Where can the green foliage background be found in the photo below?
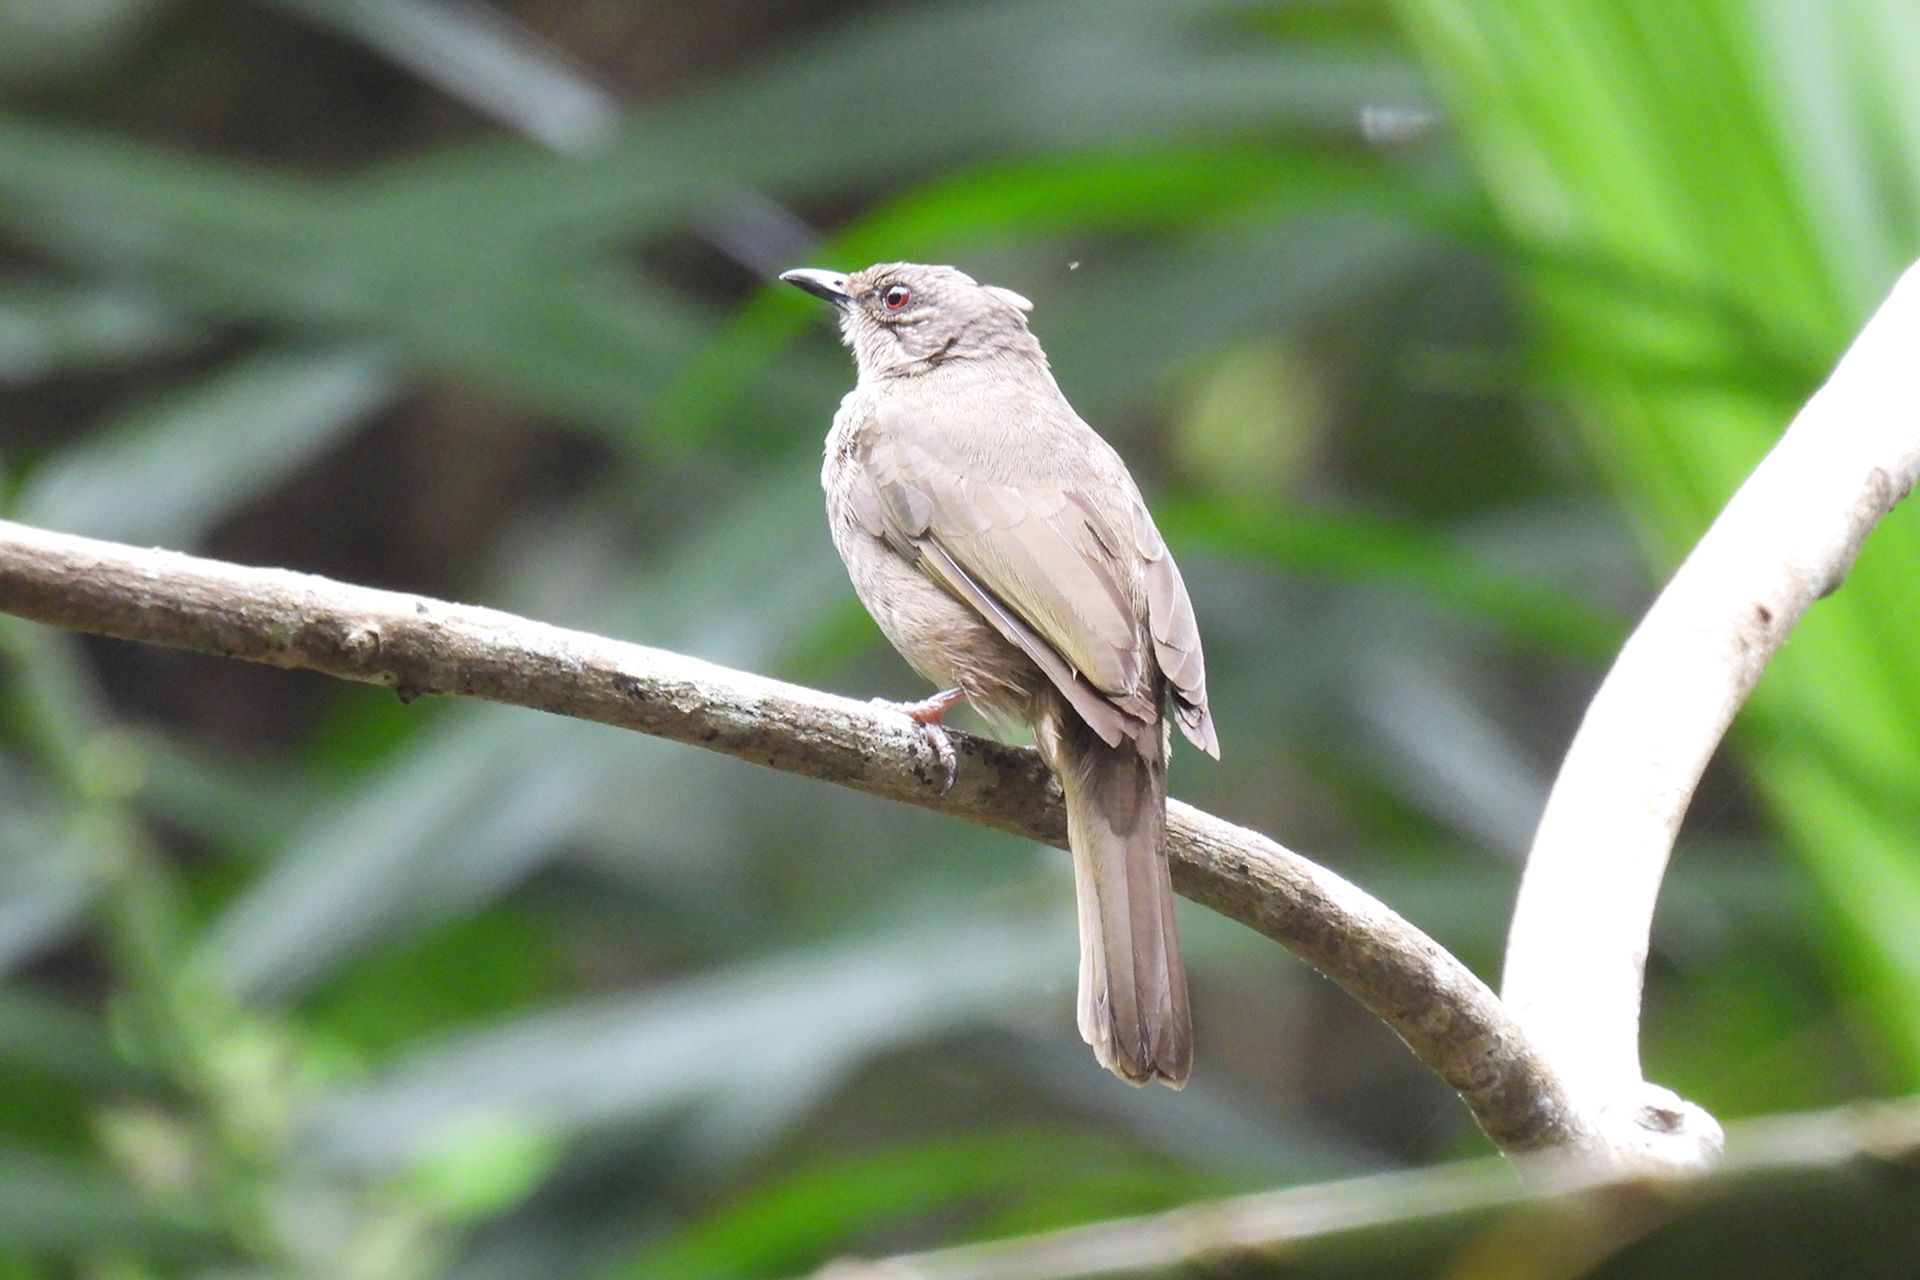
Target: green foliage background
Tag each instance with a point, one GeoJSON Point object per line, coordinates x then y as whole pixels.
{"type": "Point", "coordinates": [1436, 332]}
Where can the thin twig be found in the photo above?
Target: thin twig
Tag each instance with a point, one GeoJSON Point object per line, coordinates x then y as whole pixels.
{"type": "Point", "coordinates": [1449, 1018]}
{"type": "Point", "coordinates": [1217, 1234]}
{"type": "Point", "coordinates": [1577, 952]}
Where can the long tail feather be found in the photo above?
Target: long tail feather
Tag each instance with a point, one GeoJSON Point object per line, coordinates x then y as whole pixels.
{"type": "Point", "coordinates": [1133, 988]}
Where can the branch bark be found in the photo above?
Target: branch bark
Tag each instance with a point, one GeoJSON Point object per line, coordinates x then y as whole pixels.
{"type": "Point", "coordinates": [1557, 1066]}
{"type": "Point", "coordinates": [417, 646]}
{"type": "Point", "coordinates": [1576, 955]}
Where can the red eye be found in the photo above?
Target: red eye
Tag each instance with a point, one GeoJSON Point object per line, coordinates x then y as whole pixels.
{"type": "Point", "coordinates": [896, 297]}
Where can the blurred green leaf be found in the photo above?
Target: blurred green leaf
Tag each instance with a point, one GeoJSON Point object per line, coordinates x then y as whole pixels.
{"type": "Point", "coordinates": [40, 41]}
{"type": "Point", "coordinates": [241, 806]}
{"type": "Point", "coordinates": [395, 258]}
{"type": "Point", "coordinates": [457, 821]}
{"type": "Point", "coordinates": [221, 241]}
{"type": "Point", "coordinates": [483, 1164]}
{"type": "Point", "coordinates": [480, 55]}
{"type": "Point", "coordinates": [56, 1207]}
{"type": "Point", "coordinates": [53, 1037]}
{"type": "Point", "coordinates": [165, 473]}
{"type": "Point", "coordinates": [465, 971]}
{"type": "Point", "coordinates": [48, 330]}
{"type": "Point", "coordinates": [804, 124]}
{"type": "Point", "coordinates": [718, 1040]}
{"type": "Point", "coordinates": [993, 205]}
{"type": "Point", "coordinates": [1725, 178]}
{"type": "Point", "coordinates": [832, 1205]}
{"type": "Point", "coordinates": [48, 875]}
{"type": "Point", "coordinates": [1369, 549]}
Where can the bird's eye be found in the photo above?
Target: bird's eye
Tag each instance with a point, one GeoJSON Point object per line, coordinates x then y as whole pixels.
{"type": "Point", "coordinates": [896, 297]}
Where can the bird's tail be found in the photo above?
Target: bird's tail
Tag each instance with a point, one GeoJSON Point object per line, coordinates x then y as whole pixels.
{"type": "Point", "coordinates": [1133, 988]}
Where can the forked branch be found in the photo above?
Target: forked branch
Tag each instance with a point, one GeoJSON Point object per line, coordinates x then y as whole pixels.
{"type": "Point", "coordinates": [1577, 953]}
{"type": "Point", "coordinates": [1563, 1073]}
{"type": "Point", "coordinates": [416, 646]}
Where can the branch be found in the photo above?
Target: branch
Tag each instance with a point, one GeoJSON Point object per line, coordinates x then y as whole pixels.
{"type": "Point", "coordinates": [1562, 1071]}
{"type": "Point", "coordinates": [1255, 1229]}
{"type": "Point", "coordinates": [1577, 952]}
{"type": "Point", "coordinates": [416, 646]}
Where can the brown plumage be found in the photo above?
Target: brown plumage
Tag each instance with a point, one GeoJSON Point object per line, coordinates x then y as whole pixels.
{"type": "Point", "coordinates": [1002, 547]}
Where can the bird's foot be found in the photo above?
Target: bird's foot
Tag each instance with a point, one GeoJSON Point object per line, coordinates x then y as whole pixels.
{"type": "Point", "coordinates": [927, 713]}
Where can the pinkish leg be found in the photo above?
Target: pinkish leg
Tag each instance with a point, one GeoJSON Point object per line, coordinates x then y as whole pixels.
{"type": "Point", "coordinates": [930, 710]}
{"type": "Point", "coordinates": [926, 713]}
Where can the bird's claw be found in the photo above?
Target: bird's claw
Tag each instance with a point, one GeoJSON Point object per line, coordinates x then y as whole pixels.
{"type": "Point", "coordinates": [926, 713]}
{"type": "Point", "coordinates": [943, 754]}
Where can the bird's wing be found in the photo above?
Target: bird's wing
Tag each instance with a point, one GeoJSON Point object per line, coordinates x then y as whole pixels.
{"type": "Point", "coordinates": [1034, 557]}
{"type": "Point", "coordinates": [1176, 635]}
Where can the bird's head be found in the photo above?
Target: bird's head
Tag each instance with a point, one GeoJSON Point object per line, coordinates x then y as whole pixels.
{"type": "Point", "coordinates": [905, 318]}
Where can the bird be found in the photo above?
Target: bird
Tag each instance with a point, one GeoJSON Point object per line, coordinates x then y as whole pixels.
{"type": "Point", "coordinates": [1003, 548]}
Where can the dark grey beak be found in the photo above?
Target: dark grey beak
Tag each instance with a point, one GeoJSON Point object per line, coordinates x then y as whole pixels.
{"type": "Point", "coordinates": [828, 285]}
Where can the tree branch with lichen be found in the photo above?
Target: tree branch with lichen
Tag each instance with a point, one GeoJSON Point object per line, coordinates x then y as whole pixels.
{"type": "Point", "coordinates": [1554, 1066]}
{"type": "Point", "coordinates": [418, 647]}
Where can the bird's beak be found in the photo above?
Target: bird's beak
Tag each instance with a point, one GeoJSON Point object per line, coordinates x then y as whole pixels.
{"type": "Point", "coordinates": [830, 285]}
